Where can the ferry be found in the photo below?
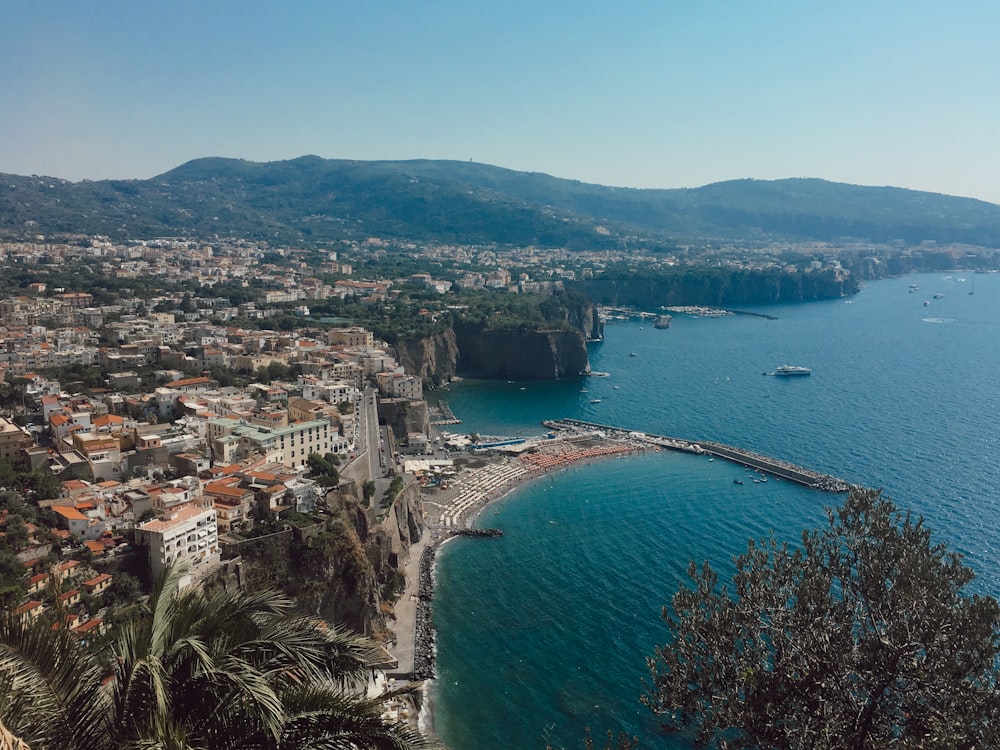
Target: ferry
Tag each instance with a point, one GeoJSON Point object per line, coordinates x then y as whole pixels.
{"type": "Point", "coordinates": [790, 370]}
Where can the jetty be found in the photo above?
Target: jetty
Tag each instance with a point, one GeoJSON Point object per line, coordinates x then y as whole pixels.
{"type": "Point", "coordinates": [750, 459]}
{"type": "Point", "coordinates": [445, 416]}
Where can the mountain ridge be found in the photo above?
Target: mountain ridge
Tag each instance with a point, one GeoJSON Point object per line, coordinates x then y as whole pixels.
{"type": "Point", "coordinates": [310, 199]}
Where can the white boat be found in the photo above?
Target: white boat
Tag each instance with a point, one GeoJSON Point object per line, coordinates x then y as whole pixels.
{"type": "Point", "coordinates": [791, 370]}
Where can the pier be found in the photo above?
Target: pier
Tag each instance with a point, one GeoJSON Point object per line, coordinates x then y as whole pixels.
{"type": "Point", "coordinates": [773, 466]}
{"type": "Point", "coordinates": [445, 415]}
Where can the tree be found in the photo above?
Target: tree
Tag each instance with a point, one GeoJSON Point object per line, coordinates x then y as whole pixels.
{"type": "Point", "coordinates": [324, 469]}
{"type": "Point", "coordinates": [862, 638]}
{"type": "Point", "coordinates": [229, 670]}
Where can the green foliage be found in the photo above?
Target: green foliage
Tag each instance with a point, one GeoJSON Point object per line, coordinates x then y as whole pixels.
{"type": "Point", "coordinates": [226, 670]}
{"type": "Point", "coordinates": [395, 487]}
{"type": "Point", "coordinates": [368, 490]}
{"type": "Point", "coordinates": [324, 469]}
{"type": "Point", "coordinates": [125, 590]}
{"type": "Point", "coordinates": [723, 287]}
{"type": "Point", "coordinates": [12, 575]}
{"type": "Point", "coordinates": [862, 638]}
{"type": "Point", "coordinates": [310, 201]}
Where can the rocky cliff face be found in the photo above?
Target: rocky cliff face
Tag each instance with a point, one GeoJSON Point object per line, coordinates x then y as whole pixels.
{"type": "Point", "coordinates": [346, 568]}
{"type": "Point", "coordinates": [542, 354]}
{"type": "Point", "coordinates": [432, 359]}
{"type": "Point", "coordinates": [538, 354]}
{"type": "Point", "coordinates": [405, 416]}
{"type": "Point", "coordinates": [583, 316]}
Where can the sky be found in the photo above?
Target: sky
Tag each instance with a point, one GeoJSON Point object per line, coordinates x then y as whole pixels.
{"type": "Point", "coordinates": [643, 93]}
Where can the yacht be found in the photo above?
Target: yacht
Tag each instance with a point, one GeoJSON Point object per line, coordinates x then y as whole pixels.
{"type": "Point", "coordinates": [790, 370]}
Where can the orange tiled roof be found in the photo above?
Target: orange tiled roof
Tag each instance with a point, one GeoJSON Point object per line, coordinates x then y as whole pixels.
{"type": "Point", "coordinates": [69, 513]}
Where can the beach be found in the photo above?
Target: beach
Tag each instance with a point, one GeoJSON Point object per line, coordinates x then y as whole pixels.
{"type": "Point", "coordinates": [478, 481]}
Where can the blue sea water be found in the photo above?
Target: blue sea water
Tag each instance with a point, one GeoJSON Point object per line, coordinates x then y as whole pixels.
{"type": "Point", "coordinates": [545, 630]}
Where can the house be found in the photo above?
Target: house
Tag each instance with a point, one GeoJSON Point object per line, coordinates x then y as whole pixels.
{"type": "Point", "coordinates": [29, 611]}
{"type": "Point", "coordinates": [71, 519]}
{"type": "Point", "coordinates": [98, 584]}
{"type": "Point", "coordinates": [91, 627]}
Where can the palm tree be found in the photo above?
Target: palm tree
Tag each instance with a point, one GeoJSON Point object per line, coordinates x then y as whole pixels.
{"type": "Point", "coordinates": [229, 671]}
{"type": "Point", "coordinates": [50, 688]}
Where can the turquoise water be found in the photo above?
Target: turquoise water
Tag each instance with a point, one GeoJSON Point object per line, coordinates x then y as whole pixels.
{"type": "Point", "coordinates": [545, 630]}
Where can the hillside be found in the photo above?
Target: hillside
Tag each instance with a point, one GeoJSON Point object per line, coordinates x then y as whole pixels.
{"type": "Point", "coordinates": [311, 200]}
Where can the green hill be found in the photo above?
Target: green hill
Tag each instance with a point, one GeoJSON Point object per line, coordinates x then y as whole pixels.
{"type": "Point", "coordinates": [310, 199]}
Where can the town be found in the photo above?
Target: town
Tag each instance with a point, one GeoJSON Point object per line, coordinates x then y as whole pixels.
{"type": "Point", "coordinates": [178, 401]}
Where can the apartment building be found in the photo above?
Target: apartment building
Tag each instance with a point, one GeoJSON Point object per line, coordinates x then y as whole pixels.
{"type": "Point", "coordinates": [13, 440]}
{"type": "Point", "coordinates": [397, 385]}
{"type": "Point", "coordinates": [188, 533]}
{"type": "Point", "coordinates": [232, 440]}
{"type": "Point", "coordinates": [354, 337]}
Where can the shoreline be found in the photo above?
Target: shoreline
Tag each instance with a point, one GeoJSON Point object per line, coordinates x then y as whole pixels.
{"type": "Point", "coordinates": [487, 480]}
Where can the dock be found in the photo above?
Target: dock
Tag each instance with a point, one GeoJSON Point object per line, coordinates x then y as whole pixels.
{"type": "Point", "coordinates": [741, 456]}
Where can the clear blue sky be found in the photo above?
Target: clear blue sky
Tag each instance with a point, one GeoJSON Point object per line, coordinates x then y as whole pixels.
{"type": "Point", "coordinates": [651, 93]}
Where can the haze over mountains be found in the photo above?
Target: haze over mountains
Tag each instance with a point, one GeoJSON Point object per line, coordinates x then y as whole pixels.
{"type": "Point", "coordinates": [313, 200]}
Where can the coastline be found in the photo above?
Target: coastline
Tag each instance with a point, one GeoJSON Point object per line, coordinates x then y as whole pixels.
{"type": "Point", "coordinates": [454, 512]}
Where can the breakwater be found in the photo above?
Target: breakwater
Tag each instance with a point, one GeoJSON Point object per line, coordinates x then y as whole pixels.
{"type": "Point", "coordinates": [750, 459]}
{"type": "Point", "coordinates": [423, 630]}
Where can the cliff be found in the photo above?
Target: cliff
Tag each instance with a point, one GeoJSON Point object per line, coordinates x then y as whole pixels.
{"type": "Point", "coordinates": [433, 359]}
{"type": "Point", "coordinates": [347, 569]}
{"type": "Point", "coordinates": [540, 354]}
{"type": "Point", "coordinates": [530, 349]}
{"type": "Point", "coordinates": [404, 416]}
{"type": "Point", "coordinates": [719, 287]}
{"type": "Point", "coordinates": [583, 316]}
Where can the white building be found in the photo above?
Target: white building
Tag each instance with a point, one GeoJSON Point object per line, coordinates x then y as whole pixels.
{"type": "Point", "coordinates": [186, 533]}
{"type": "Point", "coordinates": [232, 440]}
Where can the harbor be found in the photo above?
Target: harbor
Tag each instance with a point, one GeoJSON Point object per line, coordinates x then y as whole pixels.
{"type": "Point", "coordinates": [475, 481]}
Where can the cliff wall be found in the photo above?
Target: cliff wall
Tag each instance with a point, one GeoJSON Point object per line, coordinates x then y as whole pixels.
{"type": "Point", "coordinates": [555, 349]}
{"type": "Point", "coordinates": [524, 354]}
{"type": "Point", "coordinates": [346, 568]}
{"type": "Point", "coordinates": [583, 316]}
{"type": "Point", "coordinates": [405, 416]}
{"type": "Point", "coordinates": [433, 359]}
{"type": "Point", "coordinates": [719, 288]}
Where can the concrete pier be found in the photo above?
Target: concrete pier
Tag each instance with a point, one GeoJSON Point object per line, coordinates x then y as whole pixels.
{"type": "Point", "coordinates": [741, 456]}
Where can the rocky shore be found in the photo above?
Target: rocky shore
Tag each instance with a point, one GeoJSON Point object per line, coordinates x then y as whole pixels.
{"type": "Point", "coordinates": [423, 634]}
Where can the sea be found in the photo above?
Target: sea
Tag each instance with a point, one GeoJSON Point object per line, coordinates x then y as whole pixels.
{"type": "Point", "coordinates": [545, 631]}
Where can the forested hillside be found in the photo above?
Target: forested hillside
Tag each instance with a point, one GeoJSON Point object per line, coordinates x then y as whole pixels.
{"type": "Point", "coordinates": [312, 200]}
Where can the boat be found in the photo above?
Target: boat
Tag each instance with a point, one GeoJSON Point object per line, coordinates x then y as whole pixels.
{"type": "Point", "coordinates": [937, 295]}
{"type": "Point", "coordinates": [583, 390]}
{"type": "Point", "coordinates": [595, 400]}
{"type": "Point", "coordinates": [927, 303]}
{"type": "Point", "coordinates": [631, 354]}
{"type": "Point", "coordinates": [737, 481]}
{"type": "Point", "coordinates": [791, 370]}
